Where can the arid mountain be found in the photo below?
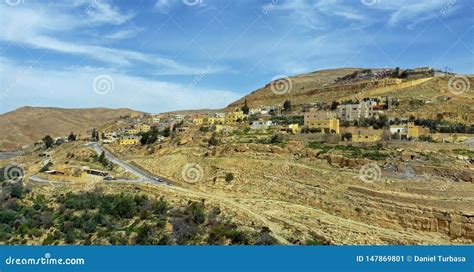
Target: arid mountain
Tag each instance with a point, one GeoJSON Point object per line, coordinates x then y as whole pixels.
{"type": "Point", "coordinates": [295, 87]}
{"type": "Point", "coordinates": [190, 112]}
{"type": "Point", "coordinates": [29, 124]}
{"type": "Point", "coordinates": [421, 94]}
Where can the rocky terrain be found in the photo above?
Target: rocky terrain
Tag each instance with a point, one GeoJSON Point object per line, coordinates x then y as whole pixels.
{"type": "Point", "coordinates": [305, 194]}
{"type": "Point", "coordinates": [427, 97]}
{"type": "Point", "coordinates": [269, 188]}
{"type": "Point", "coordinates": [27, 125]}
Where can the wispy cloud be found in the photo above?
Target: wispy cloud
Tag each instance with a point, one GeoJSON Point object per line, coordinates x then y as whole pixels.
{"type": "Point", "coordinates": [163, 6]}
{"type": "Point", "coordinates": [411, 12]}
{"type": "Point", "coordinates": [39, 27]}
{"type": "Point", "coordinates": [74, 88]}
{"type": "Point", "coordinates": [122, 34]}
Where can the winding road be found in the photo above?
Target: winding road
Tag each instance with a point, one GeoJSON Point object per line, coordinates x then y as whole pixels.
{"type": "Point", "coordinates": [142, 175]}
{"type": "Point", "coordinates": [145, 177]}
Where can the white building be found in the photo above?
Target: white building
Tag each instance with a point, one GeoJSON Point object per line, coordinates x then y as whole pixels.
{"type": "Point", "coordinates": [398, 129]}
{"type": "Point", "coordinates": [261, 124]}
{"type": "Point", "coordinates": [355, 112]}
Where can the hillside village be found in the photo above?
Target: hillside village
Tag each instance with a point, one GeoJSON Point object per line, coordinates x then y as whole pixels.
{"type": "Point", "coordinates": [367, 119]}
{"type": "Point", "coordinates": [359, 166]}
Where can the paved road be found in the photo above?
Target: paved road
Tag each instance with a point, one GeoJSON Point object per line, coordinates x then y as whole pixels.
{"type": "Point", "coordinates": [142, 175]}
{"type": "Point", "coordinates": [145, 177]}
{"type": "Point", "coordinates": [38, 179]}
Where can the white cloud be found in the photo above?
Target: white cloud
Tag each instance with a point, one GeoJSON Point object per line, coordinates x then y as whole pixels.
{"type": "Point", "coordinates": [316, 14]}
{"type": "Point", "coordinates": [122, 34]}
{"type": "Point", "coordinates": [99, 11]}
{"type": "Point", "coordinates": [74, 88]}
{"type": "Point", "coordinates": [40, 29]}
{"type": "Point", "coordinates": [312, 13]}
{"type": "Point", "coordinates": [411, 12]}
{"type": "Point", "coordinates": [163, 6]}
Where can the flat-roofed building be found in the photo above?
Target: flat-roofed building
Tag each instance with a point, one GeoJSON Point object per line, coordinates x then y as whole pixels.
{"type": "Point", "coordinates": [324, 120]}
{"type": "Point", "coordinates": [129, 140]}
{"type": "Point", "coordinates": [356, 112]}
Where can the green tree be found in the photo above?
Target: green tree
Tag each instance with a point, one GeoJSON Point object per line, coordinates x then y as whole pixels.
{"type": "Point", "coordinates": [161, 207]}
{"type": "Point", "coordinates": [287, 105]}
{"type": "Point", "coordinates": [71, 137]}
{"type": "Point", "coordinates": [48, 141]}
{"type": "Point", "coordinates": [347, 136]}
{"type": "Point", "coordinates": [95, 135]}
{"type": "Point", "coordinates": [145, 235]}
{"type": "Point", "coordinates": [245, 108]}
{"type": "Point", "coordinates": [198, 213]}
{"type": "Point", "coordinates": [102, 158]}
{"type": "Point", "coordinates": [229, 177]}
{"type": "Point", "coordinates": [166, 132]}
{"type": "Point", "coordinates": [213, 141]}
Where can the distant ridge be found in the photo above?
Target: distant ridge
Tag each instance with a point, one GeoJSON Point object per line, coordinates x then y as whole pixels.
{"type": "Point", "coordinates": [26, 125]}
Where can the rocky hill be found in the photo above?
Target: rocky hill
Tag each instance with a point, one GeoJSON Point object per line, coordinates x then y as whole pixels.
{"type": "Point", "coordinates": [295, 86]}
{"type": "Point", "coordinates": [29, 124]}
{"type": "Point", "coordinates": [421, 94]}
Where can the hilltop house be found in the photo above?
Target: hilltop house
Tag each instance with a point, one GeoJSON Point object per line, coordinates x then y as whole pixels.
{"type": "Point", "coordinates": [356, 112]}
{"type": "Point", "coordinates": [260, 124]}
{"type": "Point", "coordinates": [198, 121]}
{"type": "Point", "coordinates": [326, 121]}
{"type": "Point", "coordinates": [131, 131]}
{"type": "Point", "coordinates": [129, 140]}
{"type": "Point", "coordinates": [216, 120]}
{"type": "Point", "coordinates": [143, 127]}
{"type": "Point", "coordinates": [409, 130]}
{"type": "Point", "coordinates": [294, 128]}
{"type": "Point", "coordinates": [232, 118]}
{"type": "Point", "coordinates": [366, 136]}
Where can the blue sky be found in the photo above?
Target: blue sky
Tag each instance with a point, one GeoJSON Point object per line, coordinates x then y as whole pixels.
{"type": "Point", "coordinates": [162, 55]}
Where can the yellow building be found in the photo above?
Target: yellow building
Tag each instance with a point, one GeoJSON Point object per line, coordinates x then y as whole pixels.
{"type": "Point", "coordinates": [414, 131]}
{"type": "Point", "coordinates": [389, 81]}
{"type": "Point", "coordinates": [198, 121]}
{"type": "Point", "coordinates": [220, 128]}
{"type": "Point", "coordinates": [232, 118]}
{"type": "Point", "coordinates": [326, 121]}
{"type": "Point", "coordinates": [366, 136]}
{"type": "Point", "coordinates": [294, 128]}
{"type": "Point", "coordinates": [129, 140]}
{"type": "Point", "coordinates": [133, 131]}
{"type": "Point", "coordinates": [216, 120]}
{"type": "Point", "coordinates": [144, 127]}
